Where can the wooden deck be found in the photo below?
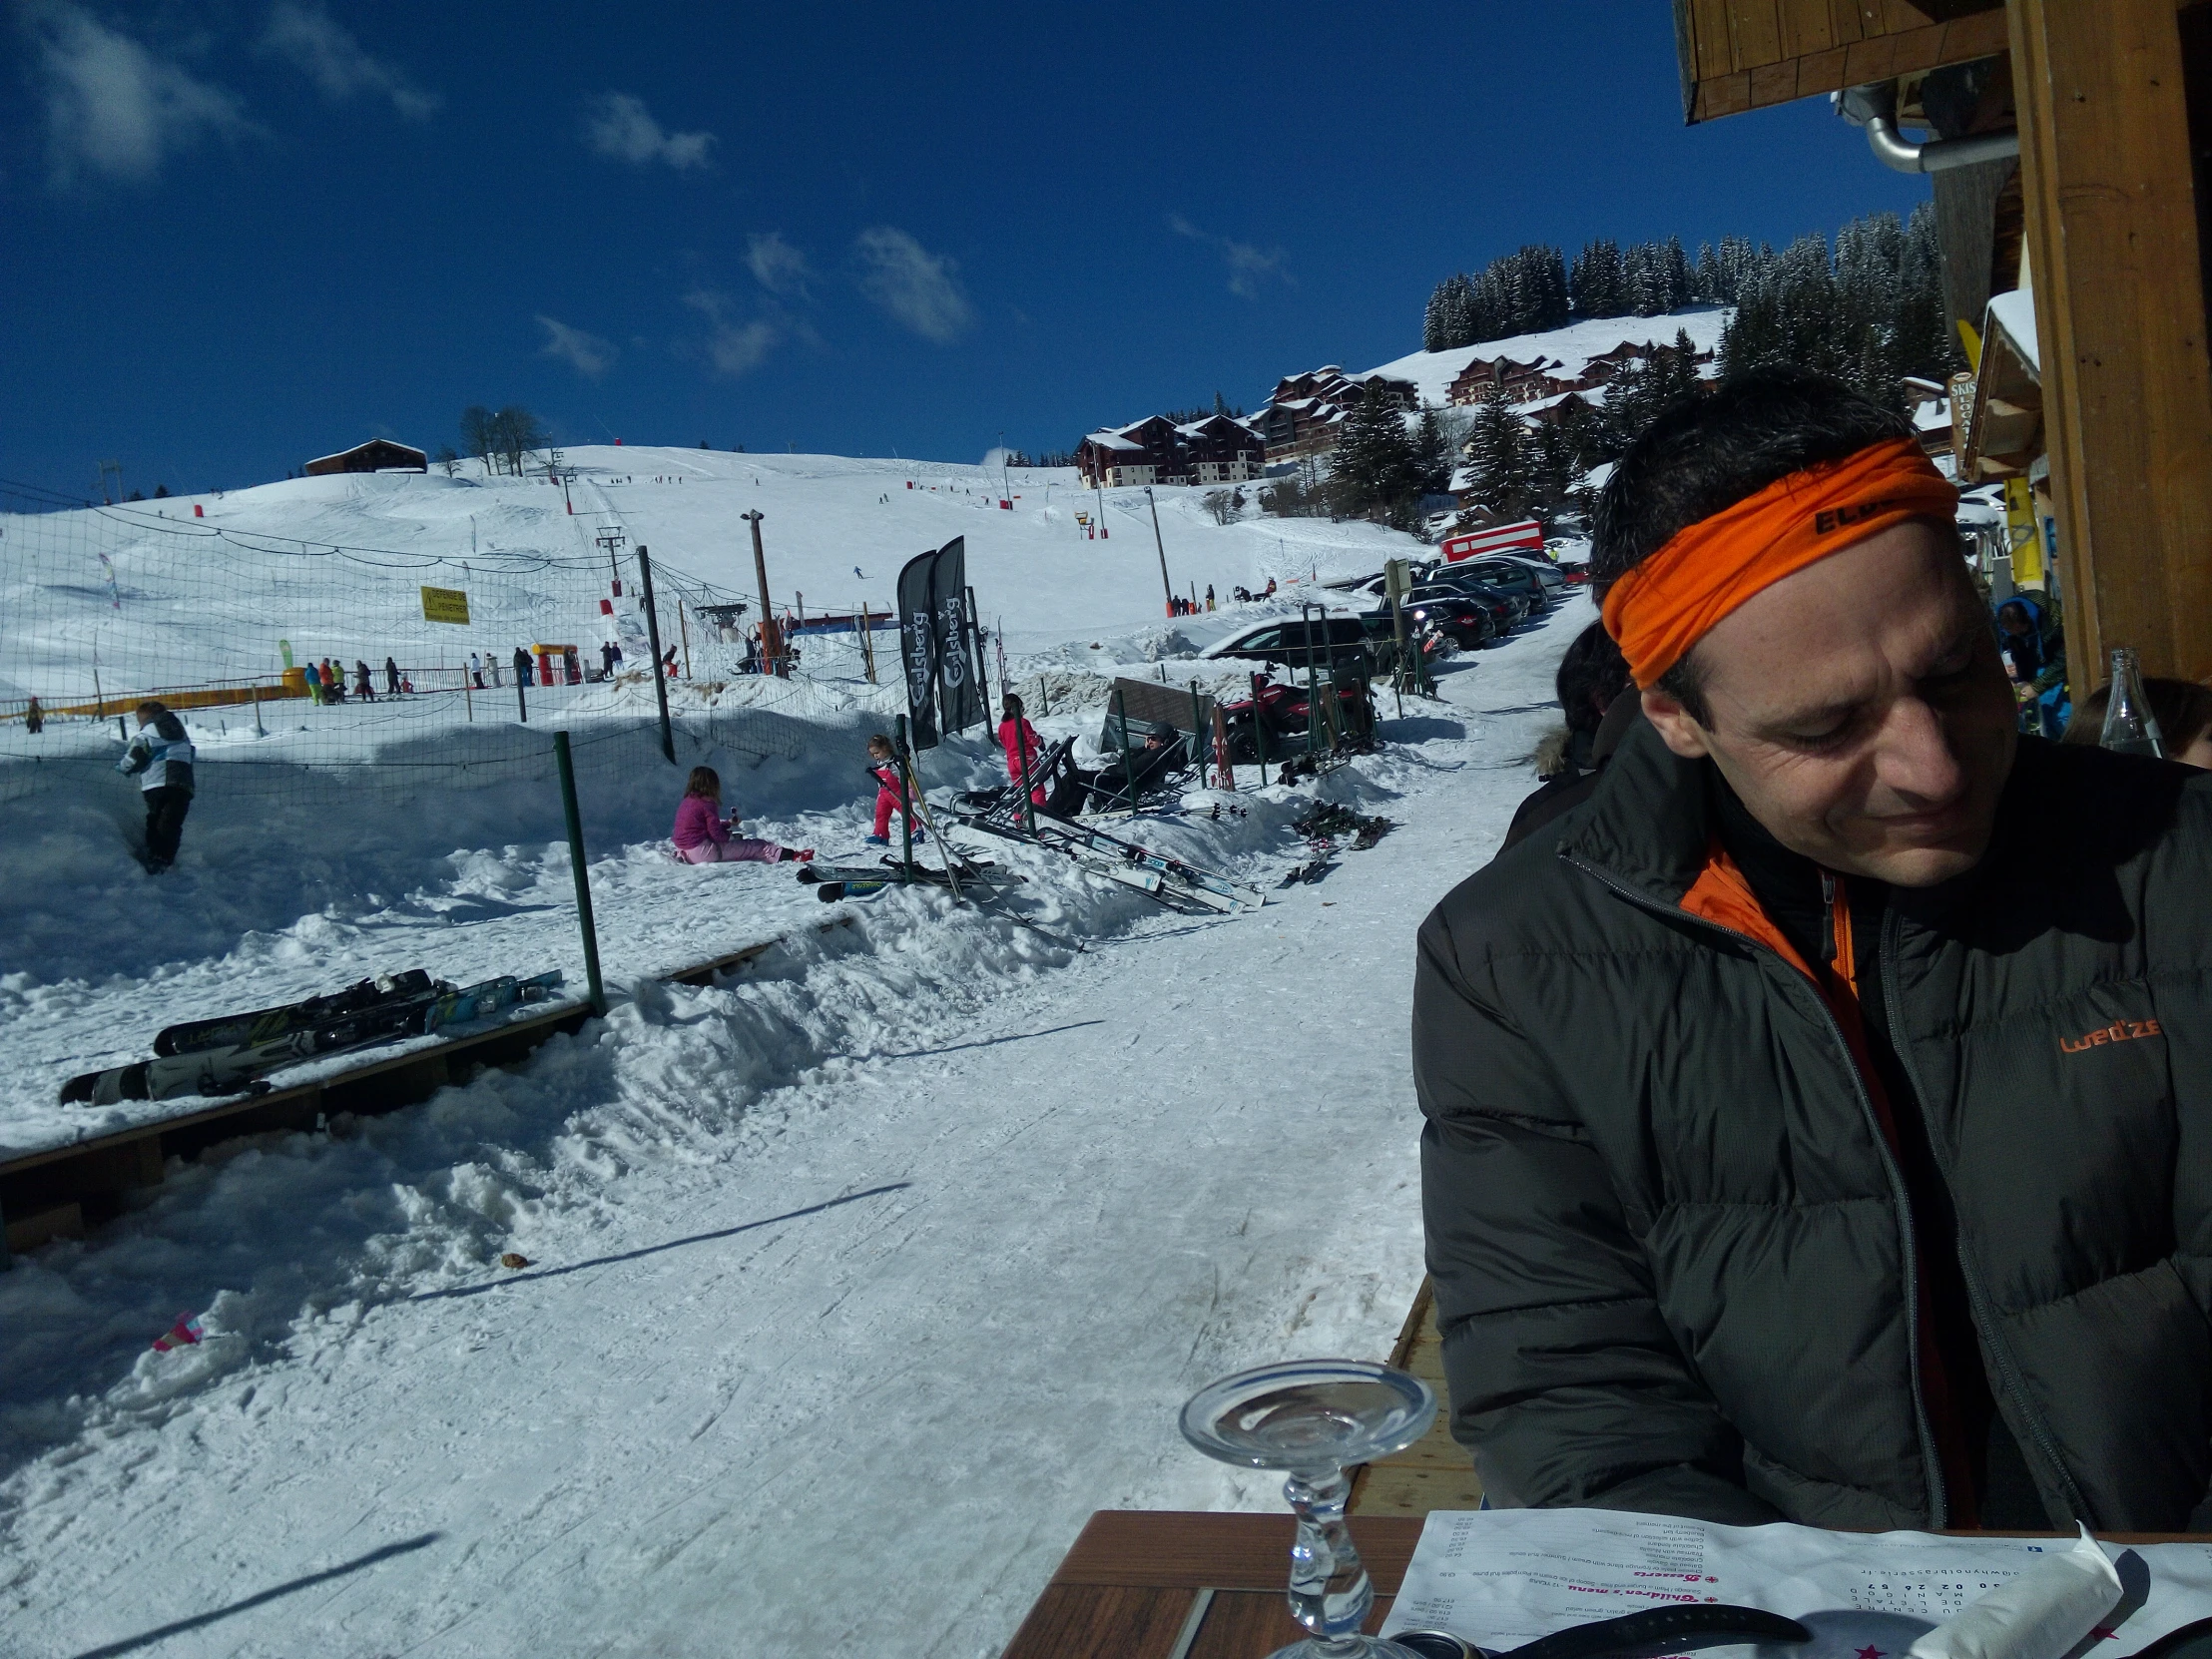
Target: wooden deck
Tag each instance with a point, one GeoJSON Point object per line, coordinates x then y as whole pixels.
{"type": "Point", "coordinates": [1435, 1471]}
{"type": "Point", "coordinates": [57, 1193]}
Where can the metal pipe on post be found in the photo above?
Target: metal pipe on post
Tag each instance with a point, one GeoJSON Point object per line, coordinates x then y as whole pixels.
{"type": "Point", "coordinates": [1259, 725]}
{"type": "Point", "coordinates": [983, 679]}
{"type": "Point", "coordinates": [583, 879]}
{"type": "Point", "coordinates": [1313, 682]}
{"type": "Point", "coordinates": [1128, 770]}
{"type": "Point", "coordinates": [1166, 586]}
{"type": "Point", "coordinates": [905, 801]}
{"type": "Point", "coordinates": [653, 640]}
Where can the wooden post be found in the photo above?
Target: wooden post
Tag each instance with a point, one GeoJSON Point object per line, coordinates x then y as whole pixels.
{"type": "Point", "coordinates": [2113, 256]}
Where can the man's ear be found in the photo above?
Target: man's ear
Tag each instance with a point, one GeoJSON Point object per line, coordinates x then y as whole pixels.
{"type": "Point", "coordinates": [1682, 734]}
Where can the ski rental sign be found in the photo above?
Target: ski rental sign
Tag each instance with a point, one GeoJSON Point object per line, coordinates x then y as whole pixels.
{"type": "Point", "coordinates": [941, 693]}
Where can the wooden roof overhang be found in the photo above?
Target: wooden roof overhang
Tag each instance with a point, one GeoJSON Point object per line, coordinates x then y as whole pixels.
{"type": "Point", "coordinates": [1741, 55]}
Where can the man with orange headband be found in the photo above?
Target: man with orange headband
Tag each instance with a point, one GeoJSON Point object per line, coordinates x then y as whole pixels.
{"type": "Point", "coordinates": [1820, 1114]}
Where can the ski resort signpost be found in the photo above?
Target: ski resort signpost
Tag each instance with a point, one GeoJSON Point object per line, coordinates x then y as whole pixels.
{"type": "Point", "coordinates": [944, 689]}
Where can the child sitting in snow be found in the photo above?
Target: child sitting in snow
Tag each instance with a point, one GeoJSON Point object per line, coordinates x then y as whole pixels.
{"type": "Point", "coordinates": [704, 837]}
{"type": "Point", "coordinates": [883, 765]}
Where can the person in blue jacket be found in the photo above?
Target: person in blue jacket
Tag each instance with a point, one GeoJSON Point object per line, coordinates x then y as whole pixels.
{"type": "Point", "coordinates": [160, 756]}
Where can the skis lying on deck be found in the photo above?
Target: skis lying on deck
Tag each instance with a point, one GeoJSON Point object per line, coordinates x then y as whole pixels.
{"type": "Point", "coordinates": [266, 1024]}
{"type": "Point", "coordinates": [425, 1006]}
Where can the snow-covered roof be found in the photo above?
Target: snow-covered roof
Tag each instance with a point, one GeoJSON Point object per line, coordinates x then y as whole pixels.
{"type": "Point", "coordinates": [1108, 439]}
{"type": "Point", "coordinates": [2015, 312]}
{"type": "Point", "coordinates": [1431, 372]}
{"type": "Point", "coordinates": [1931, 414]}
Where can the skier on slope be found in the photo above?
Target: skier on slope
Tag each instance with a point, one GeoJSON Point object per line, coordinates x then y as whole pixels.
{"type": "Point", "coordinates": [883, 765]}
{"type": "Point", "coordinates": [522, 666]}
{"type": "Point", "coordinates": [391, 676]}
{"type": "Point", "coordinates": [161, 758]}
{"type": "Point", "coordinates": [704, 837]}
{"type": "Point", "coordinates": [1022, 746]}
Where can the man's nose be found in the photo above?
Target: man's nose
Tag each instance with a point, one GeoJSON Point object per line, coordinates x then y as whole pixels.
{"type": "Point", "coordinates": [1915, 759]}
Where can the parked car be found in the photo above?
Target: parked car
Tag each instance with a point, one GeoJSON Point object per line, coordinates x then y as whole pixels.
{"type": "Point", "coordinates": [1286, 640]}
{"type": "Point", "coordinates": [1462, 618]}
{"type": "Point", "coordinates": [1503, 574]}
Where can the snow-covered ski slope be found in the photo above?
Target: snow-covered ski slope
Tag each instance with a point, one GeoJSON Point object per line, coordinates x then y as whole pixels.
{"type": "Point", "coordinates": [856, 1283]}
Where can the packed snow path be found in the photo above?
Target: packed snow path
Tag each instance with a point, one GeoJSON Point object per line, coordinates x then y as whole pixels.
{"type": "Point", "coordinates": [855, 1288]}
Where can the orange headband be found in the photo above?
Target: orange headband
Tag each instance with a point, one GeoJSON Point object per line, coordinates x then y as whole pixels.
{"type": "Point", "coordinates": [1673, 599]}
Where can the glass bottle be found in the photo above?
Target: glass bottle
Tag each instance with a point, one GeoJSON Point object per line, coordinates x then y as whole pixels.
{"type": "Point", "coordinates": [2129, 726]}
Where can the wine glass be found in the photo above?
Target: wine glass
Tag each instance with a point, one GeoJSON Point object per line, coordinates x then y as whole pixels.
{"type": "Point", "coordinates": [1312, 1419]}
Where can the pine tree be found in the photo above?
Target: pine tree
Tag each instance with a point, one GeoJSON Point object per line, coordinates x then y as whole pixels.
{"type": "Point", "coordinates": [1373, 470]}
{"type": "Point", "coordinates": [1431, 453]}
{"type": "Point", "coordinates": [1496, 459]}
{"type": "Point", "coordinates": [1550, 468]}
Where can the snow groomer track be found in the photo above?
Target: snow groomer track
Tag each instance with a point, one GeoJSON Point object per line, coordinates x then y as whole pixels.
{"type": "Point", "coordinates": [57, 1190]}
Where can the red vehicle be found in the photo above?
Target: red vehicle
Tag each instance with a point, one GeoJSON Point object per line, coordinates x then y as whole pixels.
{"type": "Point", "coordinates": [1284, 712]}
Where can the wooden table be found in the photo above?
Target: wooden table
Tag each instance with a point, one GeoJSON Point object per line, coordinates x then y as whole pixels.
{"type": "Point", "coordinates": [1132, 1586]}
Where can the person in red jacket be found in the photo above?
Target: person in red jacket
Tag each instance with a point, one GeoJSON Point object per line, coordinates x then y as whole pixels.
{"type": "Point", "coordinates": [883, 765]}
{"type": "Point", "coordinates": [1023, 744]}
{"type": "Point", "coordinates": [704, 837]}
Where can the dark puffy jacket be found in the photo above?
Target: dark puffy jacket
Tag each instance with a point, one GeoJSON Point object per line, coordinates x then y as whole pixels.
{"type": "Point", "coordinates": [1671, 1249]}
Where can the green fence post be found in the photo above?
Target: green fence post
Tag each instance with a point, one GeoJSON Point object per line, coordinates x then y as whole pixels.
{"type": "Point", "coordinates": [583, 880]}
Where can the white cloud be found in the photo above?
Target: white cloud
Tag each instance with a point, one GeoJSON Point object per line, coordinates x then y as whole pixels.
{"type": "Point", "coordinates": [776, 264]}
{"type": "Point", "coordinates": [916, 286]}
{"type": "Point", "coordinates": [1249, 267]}
{"type": "Point", "coordinates": [734, 347]}
{"type": "Point", "coordinates": [620, 126]}
{"type": "Point", "coordinates": [588, 354]}
{"type": "Point", "coordinates": [112, 107]}
{"type": "Point", "coordinates": [316, 44]}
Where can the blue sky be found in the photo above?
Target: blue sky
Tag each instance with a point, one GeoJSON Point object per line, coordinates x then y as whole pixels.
{"type": "Point", "coordinates": [237, 236]}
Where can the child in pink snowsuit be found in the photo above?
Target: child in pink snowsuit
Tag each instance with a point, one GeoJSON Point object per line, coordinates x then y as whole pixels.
{"type": "Point", "coordinates": [1023, 744]}
{"type": "Point", "coordinates": [883, 765]}
{"type": "Point", "coordinates": [702, 835]}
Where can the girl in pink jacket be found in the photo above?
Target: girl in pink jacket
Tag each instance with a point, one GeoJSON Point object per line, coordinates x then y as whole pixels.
{"type": "Point", "coordinates": [704, 837]}
{"type": "Point", "coordinates": [1023, 744]}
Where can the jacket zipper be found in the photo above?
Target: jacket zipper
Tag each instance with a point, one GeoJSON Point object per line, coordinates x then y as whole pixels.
{"type": "Point", "coordinates": [1977, 1298]}
{"type": "Point", "coordinates": [1939, 1501]}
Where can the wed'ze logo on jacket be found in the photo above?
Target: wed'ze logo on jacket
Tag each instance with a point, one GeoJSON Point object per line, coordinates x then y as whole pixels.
{"type": "Point", "coordinates": [2119, 1031]}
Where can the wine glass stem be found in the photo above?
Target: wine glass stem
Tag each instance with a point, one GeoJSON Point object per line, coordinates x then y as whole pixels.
{"type": "Point", "coordinates": [1330, 1591]}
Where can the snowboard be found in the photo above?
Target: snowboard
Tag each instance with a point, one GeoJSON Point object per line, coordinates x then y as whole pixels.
{"type": "Point", "coordinates": [234, 1067]}
{"type": "Point", "coordinates": [267, 1024]}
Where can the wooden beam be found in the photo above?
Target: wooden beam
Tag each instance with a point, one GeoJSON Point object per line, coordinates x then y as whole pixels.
{"type": "Point", "coordinates": [2120, 315]}
{"type": "Point", "coordinates": [1748, 54]}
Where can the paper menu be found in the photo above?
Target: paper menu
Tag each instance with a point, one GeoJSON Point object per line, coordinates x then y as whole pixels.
{"type": "Point", "coordinates": [1503, 1577]}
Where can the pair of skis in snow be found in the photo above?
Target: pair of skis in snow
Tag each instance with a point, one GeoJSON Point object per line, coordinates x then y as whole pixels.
{"type": "Point", "coordinates": [1174, 882]}
{"type": "Point", "coordinates": [234, 1052]}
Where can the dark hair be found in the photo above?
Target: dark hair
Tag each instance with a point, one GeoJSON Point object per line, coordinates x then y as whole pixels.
{"type": "Point", "coordinates": [1009, 707]}
{"type": "Point", "coordinates": [1591, 674]}
{"type": "Point", "coordinates": [151, 710]}
{"type": "Point", "coordinates": [703, 781]}
{"type": "Point", "coordinates": [883, 741]}
{"type": "Point", "coordinates": [1704, 455]}
{"type": "Point", "coordinates": [2182, 707]}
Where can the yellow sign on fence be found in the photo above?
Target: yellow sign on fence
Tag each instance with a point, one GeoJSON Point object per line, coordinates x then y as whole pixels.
{"type": "Point", "coordinates": [445, 605]}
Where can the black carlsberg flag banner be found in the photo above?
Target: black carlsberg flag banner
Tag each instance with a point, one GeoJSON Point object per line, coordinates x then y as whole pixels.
{"type": "Point", "coordinates": [918, 649]}
{"type": "Point", "coordinates": [960, 698]}
{"type": "Point", "coordinates": [941, 693]}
